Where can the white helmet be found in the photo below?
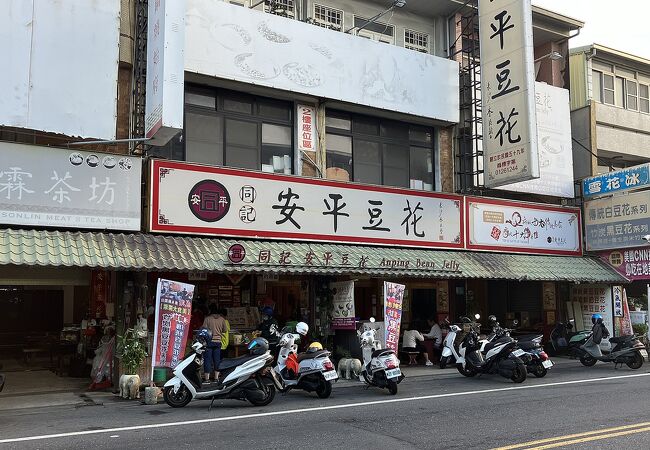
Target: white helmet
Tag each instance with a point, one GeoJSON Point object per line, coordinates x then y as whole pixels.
{"type": "Point", "coordinates": [302, 328]}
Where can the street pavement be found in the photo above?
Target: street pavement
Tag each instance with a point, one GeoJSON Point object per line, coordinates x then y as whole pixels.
{"type": "Point", "coordinates": [572, 407]}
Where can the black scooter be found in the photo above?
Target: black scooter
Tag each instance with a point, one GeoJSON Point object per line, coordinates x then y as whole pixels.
{"type": "Point", "coordinates": [536, 360]}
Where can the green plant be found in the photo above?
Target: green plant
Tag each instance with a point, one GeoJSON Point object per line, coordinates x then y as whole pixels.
{"type": "Point", "coordinates": [640, 329]}
{"type": "Point", "coordinates": [132, 351]}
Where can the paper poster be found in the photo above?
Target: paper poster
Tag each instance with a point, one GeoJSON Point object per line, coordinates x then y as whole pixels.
{"type": "Point", "coordinates": [343, 313]}
{"type": "Point", "coordinates": [548, 299]}
{"type": "Point", "coordinates": [243, 318]}
{"type": "Point", "coordinates": [393, 297]}
{"type": "Point", "coordinates": [173, 313]}
{"type": "Point", "coordinates": [442, 297]}
{"type": "Point", "coordinates": [625, 321]}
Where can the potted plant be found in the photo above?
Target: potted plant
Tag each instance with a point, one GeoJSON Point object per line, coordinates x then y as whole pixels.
{"type": "Point", "coordinates": [132, 353]}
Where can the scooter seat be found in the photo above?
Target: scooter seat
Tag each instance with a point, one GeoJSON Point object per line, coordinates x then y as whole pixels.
{"type": "Point", "coordinates": [233, 362]}
{"type": "Point", "coordinates": [619, 339]}
{"type": "Point", "coordinates": [376, 353]}
{"type": "Point", "coordinates": [303, 356]}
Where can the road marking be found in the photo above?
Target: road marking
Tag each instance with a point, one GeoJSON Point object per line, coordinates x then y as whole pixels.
{"type": "Point", "coordinates": [566, 438]}
{"type": "Point", "coordinates": [319, 408]}
{"type": "Point", "coordinates": [589, 439]}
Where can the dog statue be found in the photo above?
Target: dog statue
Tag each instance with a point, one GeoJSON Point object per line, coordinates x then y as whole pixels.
{"type": "Point", "coordinates": [349, 368]}
{"type": "Point", "coordinates": [130, 386]}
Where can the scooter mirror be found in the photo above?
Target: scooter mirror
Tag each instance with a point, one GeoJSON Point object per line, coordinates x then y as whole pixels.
{"type": "Point", "coordinates": [477, 316]}
{"type": "Point", "coordinates": [372, 320]}
{"type": "Point", "coordinates": [515, 323]}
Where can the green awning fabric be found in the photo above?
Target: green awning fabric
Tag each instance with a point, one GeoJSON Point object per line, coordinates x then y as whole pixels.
{"type": "Point", "coordinates": [140, 251]}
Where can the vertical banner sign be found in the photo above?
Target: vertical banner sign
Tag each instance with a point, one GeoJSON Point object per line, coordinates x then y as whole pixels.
{"type": "Point", "coordinates": [594, 299]}
{"type": "Point", "coordinates": [306, 128]}
{"type": "Point", "coordinates": [165, 70]}
{"type": "Point", "coordinates": [99, 293]}
{"type": "Point", "coordinates": [625, 321]}
{"type": "Point", "coordinates": [508, 91]}
{"type": "Point", "coordinates": [617, 297]}
{"type": "Point", "coordinates": [343, 313]}
{"type": "Point", "coordinates": [173, 313]}
{"type": "Point", "coordinates": [393, 297]}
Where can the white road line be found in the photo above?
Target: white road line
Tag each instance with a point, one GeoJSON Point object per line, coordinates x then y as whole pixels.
{"type": "Point", "coordinates": [306, 410]}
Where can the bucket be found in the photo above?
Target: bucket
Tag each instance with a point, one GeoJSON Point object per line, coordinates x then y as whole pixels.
{"type": "Point", "coordinates": [159, 374]}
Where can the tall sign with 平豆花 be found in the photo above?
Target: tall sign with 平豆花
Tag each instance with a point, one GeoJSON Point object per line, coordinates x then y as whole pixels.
{"type": "Point", "coordinates": [508, 92]}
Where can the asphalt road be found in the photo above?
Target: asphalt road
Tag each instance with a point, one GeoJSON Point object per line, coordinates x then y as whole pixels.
{"type": "Point", "coordinates": [573, 407]}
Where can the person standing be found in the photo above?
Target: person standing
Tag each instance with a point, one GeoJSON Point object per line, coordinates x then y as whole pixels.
{"type": "Point", "coordinates": [225, 337]}
{"type": "Point", "coordinates": [212, 357]}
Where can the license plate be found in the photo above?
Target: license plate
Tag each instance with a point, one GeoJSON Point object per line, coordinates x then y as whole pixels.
{"type": "Point", "coordinates": [393, 373]}
{"type": "Point", "coordinates": [518, 352]}
{"type": "Point", "coordinates": [330, 375]}
{"type": "Point", "coordinates": [548, 363]}
{"type": "Point", "coordinates": [644, 353]}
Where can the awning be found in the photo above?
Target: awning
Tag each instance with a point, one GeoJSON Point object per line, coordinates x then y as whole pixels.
{"type": "Point", "coordinates": [140, 251]}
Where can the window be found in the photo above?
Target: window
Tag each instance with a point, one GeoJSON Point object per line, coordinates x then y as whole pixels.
{"type": "Point", "coordinates": [377, 31]}
{"type": "Point", "coordinates": [631, 92]}
{"type": "Point", "coordinates": [284, 8]}
{"type": "Point", "coordinates": [644, 98]}
{"type": "Point", "coordinates": [328, 17]}
{"type": "Point", "coordinates": [415, 40]}
{"type": "Point", "coordinates": [238, 130]}
{"type": "Point", "coordinates": [597, 85]}
{"type": "Point", "coordinates": [608, 89]}
{"type": "Point", "coordinates": [377, 151]}
{"type": "Point", "coordinates": [619, 92]}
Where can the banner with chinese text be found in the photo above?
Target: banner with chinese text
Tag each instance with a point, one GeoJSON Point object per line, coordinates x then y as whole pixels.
{"type": "Point", "coordinates": [393, 297]}
{"type": "Point", "coordinates": [343, 315]}
{"type": "Point", "coordinates": [173, 313]}
{"type": "Point", "coordinates": [194, 199]}
{"type": "Point", "coordinates": [508, 92]}
{"type": "Point", "coordinates": [616, 222]}
{"type": "Point", "coordinates": [594, 299]}
{"type": "Point", "coordinates": [633, 263]}
{"type": "Point", "coordinates": [54, 187]}
{"type": "Point", "coordinates": [502, 225]}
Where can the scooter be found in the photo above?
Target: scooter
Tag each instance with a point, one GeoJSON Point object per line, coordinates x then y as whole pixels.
{"type": "Point", "coordinates": [315, 369]}
{"type": "Point", "coordinates": [627, 350]}
{"type": "Point", "coordinates": [535, 358]}
{"type": "Point", "coordinates": [380, 366]}
{"type": "Point", "coordinates": [246, 378]}
{"type": "Point", "coordinates": [501, 355]}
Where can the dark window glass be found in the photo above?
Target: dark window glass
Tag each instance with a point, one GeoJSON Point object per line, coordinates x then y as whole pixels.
{"type": "Point", "coordinates": [339, 157]}
{"type": "Point", "coordinates": [394, 130]}
{"type": "Point", "coordinates": [366, 125]}
{"type": "Point", "coordinates": [396, 165]}
{"type": "Point", "coordinates": [242, 144]}
{"type": "Point", "coordinates": [421, 168]}
{"type": "Point", "coordinates": [274, 110]}
{"type": "Point", "coordinates": [201, 98]}
{"type": "Point", "coordinates": [367, 162]}
{"type": "Point", "coordinates": [238, 105]}
{"type": "Point", "coordinates": [203, 138]}
{"type": "Point", "coordinates": [276, 149]}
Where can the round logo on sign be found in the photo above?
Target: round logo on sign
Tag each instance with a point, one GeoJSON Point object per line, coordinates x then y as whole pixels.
{"type": "Point", "coordinates": [236, 253]}
{"type": "Point", "coordinates": [209, 200]}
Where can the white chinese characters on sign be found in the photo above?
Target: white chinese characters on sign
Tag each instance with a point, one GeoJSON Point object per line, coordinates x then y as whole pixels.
{"type": "Point", "coordinates": [507, 85]}
{"type": "Point", "coordinates": [47, 186]}
{"type": "Point", "coordinates": [189, 199]}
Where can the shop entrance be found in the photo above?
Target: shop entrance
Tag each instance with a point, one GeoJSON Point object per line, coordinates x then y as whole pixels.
{"type": "Point", "coordinates": [423, 303]}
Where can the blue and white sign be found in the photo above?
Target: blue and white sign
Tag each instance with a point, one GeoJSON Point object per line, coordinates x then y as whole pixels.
{"type": "Point", "coordinates": [618, 181]}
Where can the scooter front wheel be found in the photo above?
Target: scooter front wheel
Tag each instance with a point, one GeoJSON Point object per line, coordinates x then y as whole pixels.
{"type": "Point", "coordinates": [636, 362]}
{"type": "Point", "coordinates": [177, 399]}
{"type": "Point", "coordinates": [465, 371]}
{"type": "Point", "coordinates": [587, 360]}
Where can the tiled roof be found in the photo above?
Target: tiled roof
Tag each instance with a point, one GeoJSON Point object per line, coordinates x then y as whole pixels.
{"type": "Point", "coordinates": [141, 251]}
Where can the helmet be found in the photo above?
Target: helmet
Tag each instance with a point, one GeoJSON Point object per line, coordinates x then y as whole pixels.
{"type": "Point", "coordinates": [258, 346]}
{"type": "Point", "coordinates": [596, 318]}
{"type": "Point", "coordinates": [492, 321]}
{"type": "Point", "coordinates": [267, 310]}
{"type": "Point", "coordinates": [204, 336]}
{"type": "Point", "coordinates": [302, 328]}
{"type": "Point", "coordinates": [314, 347]}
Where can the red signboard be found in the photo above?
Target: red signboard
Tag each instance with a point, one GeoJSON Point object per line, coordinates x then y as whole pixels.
{"type": "Point", "coordinates": [173, 313]}
{"type": "Point", "coordinates": [393, 297]}
{"type": "Point", "coordinates": [632, 263]}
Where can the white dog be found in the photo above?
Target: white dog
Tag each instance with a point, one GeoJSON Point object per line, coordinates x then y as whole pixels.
{"type": "Point", "coordinates": [349, 368]}
{"type": "Point", "coordinates": [130, 386]}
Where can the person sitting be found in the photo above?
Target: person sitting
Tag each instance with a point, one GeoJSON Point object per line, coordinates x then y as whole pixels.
{"type": "Point", "coordinates": [411, 345]}
{"type": "Point", "coordinates": [434, 333]}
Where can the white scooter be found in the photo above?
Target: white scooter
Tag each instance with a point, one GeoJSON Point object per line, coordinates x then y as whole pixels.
{"type": "Point", "coordinates": [247, 378]}
{"type": "Point", "coordinates": [315, 369]}
{"type": "Point", "coordinates": [380, 366]}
